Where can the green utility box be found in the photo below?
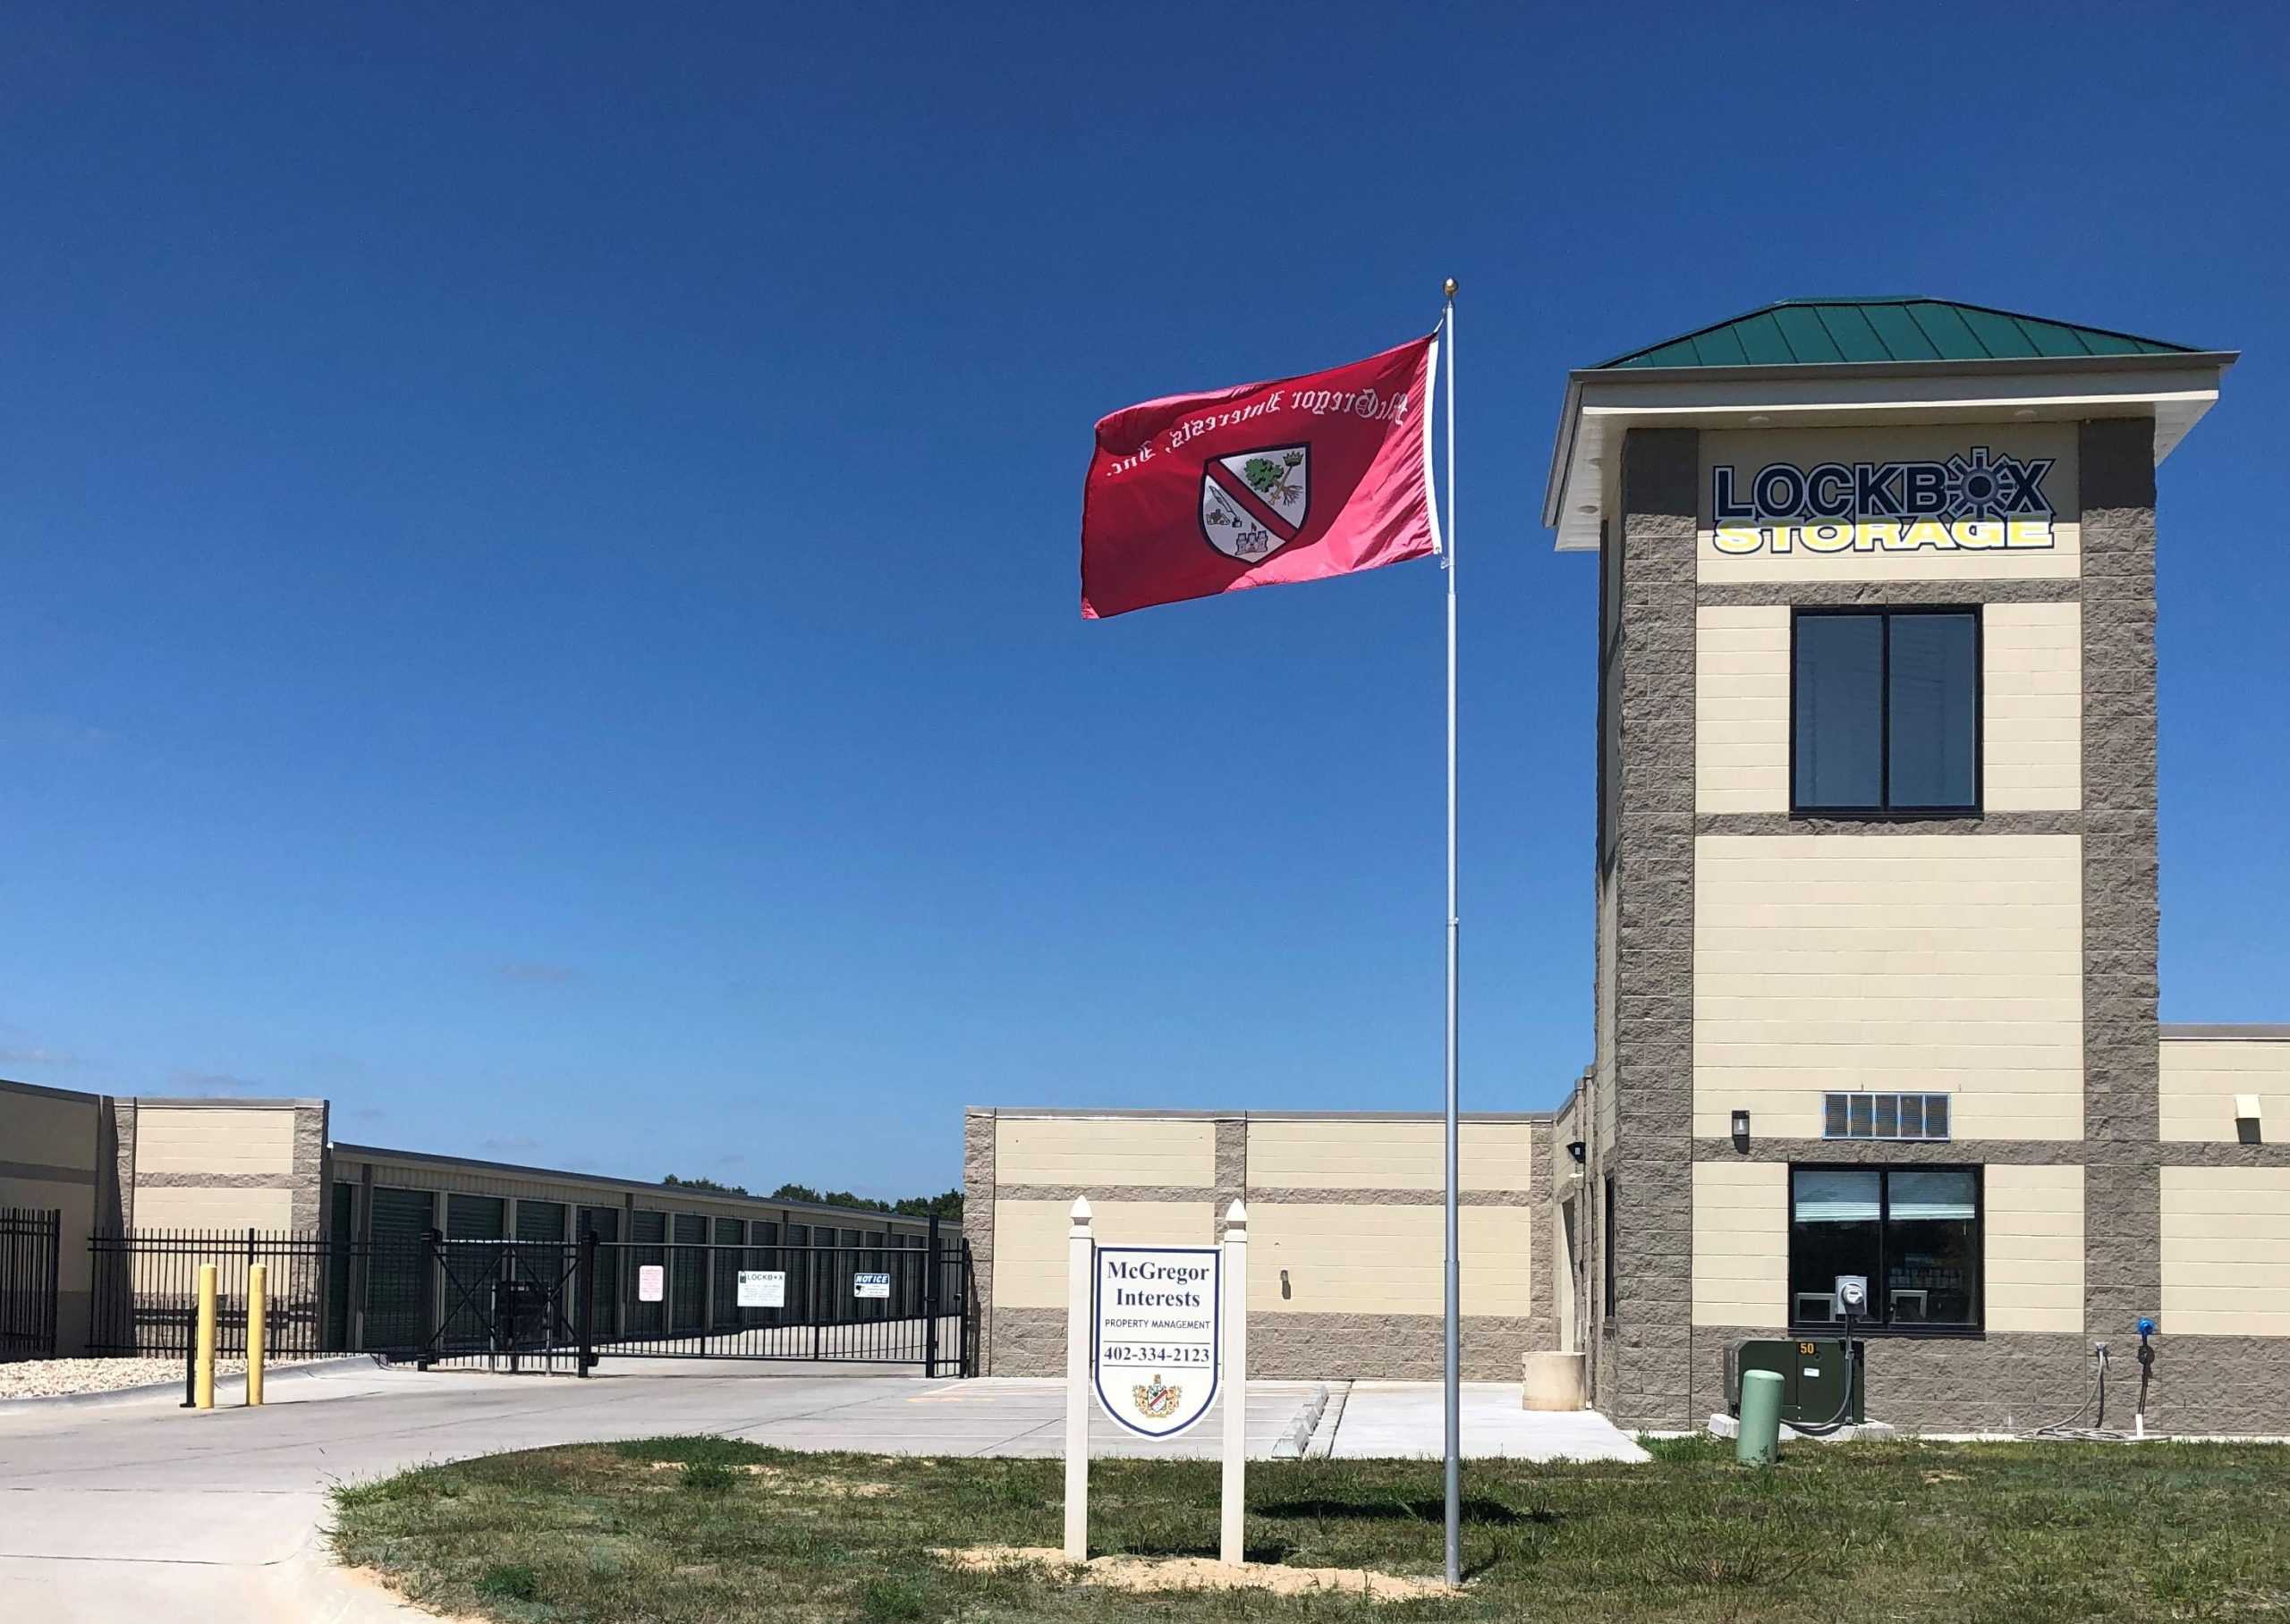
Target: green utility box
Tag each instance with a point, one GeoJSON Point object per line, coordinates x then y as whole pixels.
{"type": "Point", "coordinates": [1812, 1376]}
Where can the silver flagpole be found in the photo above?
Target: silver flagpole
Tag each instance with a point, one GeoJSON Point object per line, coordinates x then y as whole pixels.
{"type": "Point", "coordinates": [1454, 1392]}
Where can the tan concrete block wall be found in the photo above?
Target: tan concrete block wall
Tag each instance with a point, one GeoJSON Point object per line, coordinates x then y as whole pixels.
{"type": "Point", "coordinates": [2031, 700]}
{"type": "Point", "coordinates": [2227, 1251]}
{"type": "Point", "coordinates": [2033, 1223]}
{"type": "Point", "coordinates": [1094, 1152]}
{"type": "Point", "coordinates": [43, 1131]}
{"type": "Point", "coordinates": [255, 1140]}
{"type": "Point", "coordinates": [1337, 1154]}
{"type": "Point", "coordinates": [1753, 448]}
{"type": "Point", "coordinates": [1741, 1243]}
{"type": "Point", "coordinates": [189, 1207]}
{"type": "Point", "coordinates": [2202, 1076]}
{"type": "Point", "coordinates": [1934, 963]}
{"type": "Point", "coordinates": [1029, 1241]}
{"type": "Point", "coordinates": [1347, 1259]}
{"type": "Point", "coordinates": [1741, 734]}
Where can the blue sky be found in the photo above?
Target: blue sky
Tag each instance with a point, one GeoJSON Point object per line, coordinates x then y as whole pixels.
{"type": "Point", "coordinates": [540, 543]}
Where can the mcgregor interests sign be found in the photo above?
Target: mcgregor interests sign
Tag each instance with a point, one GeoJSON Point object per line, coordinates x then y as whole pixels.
{"type": "Point", "coordinates": [1159, 1311]}
{"type": "Point", "coordinates": [1975, 501]}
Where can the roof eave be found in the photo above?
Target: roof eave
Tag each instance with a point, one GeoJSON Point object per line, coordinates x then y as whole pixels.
{"type": "Point", "coordinates": [1629, 377]}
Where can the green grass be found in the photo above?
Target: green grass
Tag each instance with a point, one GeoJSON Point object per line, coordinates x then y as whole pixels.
{"type": "Point", "coordinates": [2025, 1533]}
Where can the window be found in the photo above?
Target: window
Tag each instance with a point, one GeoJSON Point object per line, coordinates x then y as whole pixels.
{"type": "Point", "coordinates": [1885, 712]}
{"type": "Point", "coordinates": [1886, 1116]}
{"type": "Point", "coordinates": [1913, 1233]}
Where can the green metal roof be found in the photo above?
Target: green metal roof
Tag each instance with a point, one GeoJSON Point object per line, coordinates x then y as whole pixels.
{"type": "Point", "coordinates": [1799, 332]}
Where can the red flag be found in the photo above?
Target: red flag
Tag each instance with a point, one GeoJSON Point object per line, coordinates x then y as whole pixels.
{"type": "Point", "coordinates": [1289, 480]}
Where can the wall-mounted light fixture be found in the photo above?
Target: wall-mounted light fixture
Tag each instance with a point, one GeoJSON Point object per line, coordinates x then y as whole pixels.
{"type": "Point", "coordinates": [1576, 1149]}
{"type": "Point", "coordinates": [2248, 1125]}
{"type": "Point", "coordinates": [1740, 1130]}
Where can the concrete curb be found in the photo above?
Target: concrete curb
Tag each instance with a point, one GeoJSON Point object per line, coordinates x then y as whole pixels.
{"type": "Point", "coordinates": [150, 1389]}
{"type": "Point", "coordinates": [1291, 1443]}
{"type": "Point", "coordinates": [1322, 1442]}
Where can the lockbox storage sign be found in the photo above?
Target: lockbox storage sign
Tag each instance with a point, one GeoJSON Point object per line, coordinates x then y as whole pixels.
{"type": "Point", "coordinates": [1159, 1312]}
{"type": "Point", "coordinates": [763, 1289]}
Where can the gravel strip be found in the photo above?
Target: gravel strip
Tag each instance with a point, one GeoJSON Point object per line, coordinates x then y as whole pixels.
{"type": "Point", "coordinates": [51, 1378]}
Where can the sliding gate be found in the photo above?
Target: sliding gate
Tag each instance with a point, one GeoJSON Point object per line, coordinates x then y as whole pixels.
{"type": "Point", "coordinates": [565, 1306]}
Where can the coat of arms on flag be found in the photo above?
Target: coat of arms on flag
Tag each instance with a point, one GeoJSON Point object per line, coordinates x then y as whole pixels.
{"type": "Point", "coordinates": [1253, 502]}
{"type": "Point", "coordinates": [1293, 480]}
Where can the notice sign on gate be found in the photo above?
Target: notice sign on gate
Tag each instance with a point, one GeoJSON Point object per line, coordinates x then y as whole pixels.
{"type": "Point", "coordinates": [763, 1289]}
{"type": "Point", "coordinates": [651, 1283]}
{"type": "Point", "coordinates": [1159, 1310]}
{"type": "Point", "coordinates": [870, 1285]}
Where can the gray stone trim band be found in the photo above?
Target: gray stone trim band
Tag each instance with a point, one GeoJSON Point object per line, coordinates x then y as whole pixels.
{"type": "Point", "coordinates": [1836, 594]}
{"type": "Point", "coordinates": [1198, 1194]}
{"type": "Point", "coordinates": [309, 1166]}
{"type": "Point", "coordinates": [1990, 823]}
{"type": "Point", "coordinates": [1295, 1194]}
{"type": "Point", "coordinates": [978, 1225]}
{"type": "Point", "coordinates": [288, 1181]}
{"type": "Point", "coordinates": [1232, 1157]}
{"type": "Point", "coordinates": [2122, 1266]}
{"type": "Point", "coordinates": [2014, 1381]}
{"type": "Point", "coordinates": [47, 1172]}
{"type": "Point", "coordinates": [1221, 1195]}
{"type": "Point", "coordinates": [1996, 1153]}
{"type": "Point", "coordinates": [1651, 1325]}
{"type": "Point", "coordinates": [123, 1161]}
{"type": "Point", "coordinates": [2002, 1153]}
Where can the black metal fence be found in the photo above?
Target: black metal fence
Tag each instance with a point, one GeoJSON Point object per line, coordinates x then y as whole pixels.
{"type": "Point", "coordinates": [145, 1297]}
{"type": "Point", "coordinates": [550, 1305]}
{"type": "Point", "coordinates": [29, 1245]}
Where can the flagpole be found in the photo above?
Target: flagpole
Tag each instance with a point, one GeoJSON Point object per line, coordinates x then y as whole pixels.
{"type": "Point", "coordinates": [1455, 929]}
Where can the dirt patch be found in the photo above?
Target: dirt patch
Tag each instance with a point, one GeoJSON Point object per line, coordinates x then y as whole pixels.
{"type": "Point", "coordinates": [374, 1580]}
{"type": "Point", "coordinates": [1145, 1573]}
{"type": "Point", "coordinates": [777, 1478]}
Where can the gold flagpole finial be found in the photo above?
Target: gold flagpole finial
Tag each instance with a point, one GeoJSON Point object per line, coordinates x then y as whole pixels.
{"type": "Point", "coordinates": [1450, 287]}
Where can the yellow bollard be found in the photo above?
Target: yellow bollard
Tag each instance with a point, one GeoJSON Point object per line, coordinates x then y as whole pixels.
{"type": "Point", "coordinates": [203, 1381]}
{"type": "Point", "coordinates": [258, 1282]}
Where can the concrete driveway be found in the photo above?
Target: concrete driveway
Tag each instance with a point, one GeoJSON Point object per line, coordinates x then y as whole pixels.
{"type": "Point", "coordinates": [136, 1506]}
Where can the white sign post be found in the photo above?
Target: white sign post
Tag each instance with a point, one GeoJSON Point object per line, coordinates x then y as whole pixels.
{"type": "Point", "coordinates": [1146, 1327]}
{"type": "Point", "coordinates": [1081, 1264]}
{"type": "Point", "coordinates": [1236, 1384]}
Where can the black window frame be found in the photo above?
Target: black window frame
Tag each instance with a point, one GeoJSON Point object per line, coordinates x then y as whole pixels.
{"type": "Point", "coordinates": [1885, 615]}
{"type": "Point", "coordinates": [1977, 1328]}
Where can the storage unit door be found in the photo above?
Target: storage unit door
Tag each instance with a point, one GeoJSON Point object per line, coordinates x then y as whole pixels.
{"type": "Point", "coordinates": [688, 1273]}
{"type": "Point", "coordinates": [400, 1274]}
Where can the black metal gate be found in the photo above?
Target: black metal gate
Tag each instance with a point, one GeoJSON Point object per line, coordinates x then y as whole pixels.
{"type": "Point", "coordinates": [29, 1239]}
{"type": "Point", "coordinates": [563, 1306]}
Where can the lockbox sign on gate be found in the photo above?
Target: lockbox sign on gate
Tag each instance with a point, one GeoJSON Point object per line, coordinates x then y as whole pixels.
{"type": "Point", "coordinates": [763, 1289]}
{"type": "Point", "coordinates": [1159, 1311]}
